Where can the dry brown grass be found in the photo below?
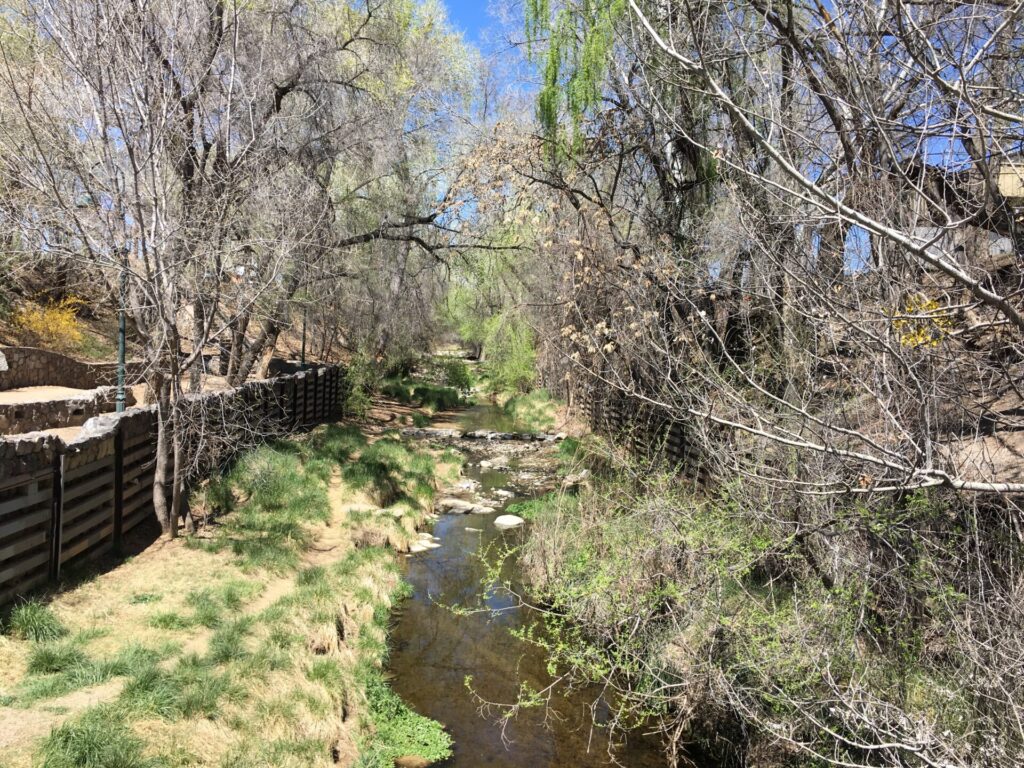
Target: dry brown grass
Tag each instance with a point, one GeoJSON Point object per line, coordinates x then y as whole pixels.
{"type": "Point", "coordinates": [293, 671]}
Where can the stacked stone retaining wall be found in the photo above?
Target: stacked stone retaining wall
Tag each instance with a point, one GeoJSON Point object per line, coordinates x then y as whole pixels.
{"type": "Point", "coordinates": [31, 367]}
{"type": "Point", "coordinates": [18, 418]}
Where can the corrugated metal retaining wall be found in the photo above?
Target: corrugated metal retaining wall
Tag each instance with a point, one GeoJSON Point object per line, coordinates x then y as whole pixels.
{"type": "Point", "coordinates": [60, 503]}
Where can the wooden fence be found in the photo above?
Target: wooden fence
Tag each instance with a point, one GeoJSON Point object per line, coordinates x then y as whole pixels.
{"type": "Point", "coordinates": [645, 430]}
{"type": "Point", "coordinates": [61, 503]}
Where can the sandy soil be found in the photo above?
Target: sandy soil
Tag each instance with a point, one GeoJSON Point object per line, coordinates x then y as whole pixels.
{"type": "Point", "coordinates": [21, 727]}
{"type": "Point", "coordinates": [40, 395]}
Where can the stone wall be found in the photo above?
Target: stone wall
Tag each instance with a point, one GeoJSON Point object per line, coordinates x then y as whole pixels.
{"type": "Point", "coordinates": [27, 455]}
{"type": "Point", "coordinates": [31, 367]}
{"type": "Point", "coordinates": [19, 418]}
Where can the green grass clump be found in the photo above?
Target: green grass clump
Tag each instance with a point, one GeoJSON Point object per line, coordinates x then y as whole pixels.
{"type": "Point", "coordinates": [281, 498]}
{"type": "Point", "coordinates": [397, 730]}
{"type": "Point", "coordinates": [326, 672]}
{"type": "Point", "coordinates": [390, 471]}
{"type": "Point", "coordinates": [336, 443]}
{"type": "Point", "coordinates": [194, 688]}
{"type": "Point", "coordinates": [569, 450]}
{"type": "Point", "coordinates": [97, 739]}
{"type": "Point", "coordinates": [533, 412]}
{"type": "Point", "coordinates": [52, 657]}
{"type": "Point", "coordinates": [32, 620]}
{"type": "Point", "coordinates": [536, 508]}
{"type": "Point", "coordinates": [58, 668]}
{"type": "Point", "coordinates": [278, 752]}
{"type": "Point", "coordinates": [209, 606]}
{"type": "Point", "coordinates": [171, 620]}
{"type": "Point", "coordinates": [312, 577]}
{"type": "Point", "coordinates": [206, 611]}
{"type": "Point", "coordinates": [228, 642]}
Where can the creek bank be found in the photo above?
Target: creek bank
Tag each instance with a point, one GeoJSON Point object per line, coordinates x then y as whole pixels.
{"type": "Point", "coordinates": [264, 634]}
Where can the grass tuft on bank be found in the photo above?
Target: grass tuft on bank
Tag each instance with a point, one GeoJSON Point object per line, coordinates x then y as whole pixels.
{"type": "Point", "coordinates": [32, 620]}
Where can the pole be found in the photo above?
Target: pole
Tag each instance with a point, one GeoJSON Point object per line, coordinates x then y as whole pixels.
{"type": "Point", "coordinates": [123, 301]}
{"type": "Point", "coordinates": [302, 360]}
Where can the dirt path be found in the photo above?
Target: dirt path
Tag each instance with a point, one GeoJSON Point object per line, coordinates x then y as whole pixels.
{"type": "Point", "coordinates": [40, 395]}
{"type": "Point", "coordinates": [21, 727]}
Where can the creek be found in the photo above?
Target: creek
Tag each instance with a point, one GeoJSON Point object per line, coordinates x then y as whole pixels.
{"type": "Point", "coordinates": [435, 649]}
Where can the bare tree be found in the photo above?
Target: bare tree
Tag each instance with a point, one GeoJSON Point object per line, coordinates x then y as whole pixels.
{"type": "Point", "coordinates": [199, 149]}
{"type": "Point", "coordinates": [784, 238]}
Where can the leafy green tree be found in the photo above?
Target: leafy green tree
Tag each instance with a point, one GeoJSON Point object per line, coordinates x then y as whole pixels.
{"type": "Point", "coordinates": [511, 353]}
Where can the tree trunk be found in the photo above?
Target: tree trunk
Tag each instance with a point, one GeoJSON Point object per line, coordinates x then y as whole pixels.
{"type": "Point", "coordinates": [195, 382]}
{"type": "Point", "coordinates": [177, 475]}
{"type": "Point", "coordinates": [164, 454]}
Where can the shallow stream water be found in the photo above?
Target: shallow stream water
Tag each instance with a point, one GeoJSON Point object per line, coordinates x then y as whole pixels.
{"type": "Point", "coordinates": [435, 649]}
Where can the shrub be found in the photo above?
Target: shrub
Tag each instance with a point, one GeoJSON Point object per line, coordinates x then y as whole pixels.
{"type": "Point", "coordinates": [423, 394]}
{"type": "Point", "coordinates": [363, 378]}
{"type": "Point", "coordinates": [54, 324]}
{"type": "Point", "coordinates": [435, 398]}
{"type": "Point", "coordinates": [458, 375]}
{"type": "Point", "coordinates": [399, 364]}
{"type": "Point", "coordinates": [511, 354]}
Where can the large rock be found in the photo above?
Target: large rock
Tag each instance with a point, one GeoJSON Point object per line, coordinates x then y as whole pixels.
{"type": "Point", "coordinates": [504, 522]}
{"type": "Point", "coordinates": [422, 546]}
{"type": "Point", "coordinates": [454, 506]}
{"type": "Point", "coordinates": [576, 482]}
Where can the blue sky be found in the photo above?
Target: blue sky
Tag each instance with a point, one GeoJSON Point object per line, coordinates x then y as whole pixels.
{"type": "Point", "coordinates": [470, 16]}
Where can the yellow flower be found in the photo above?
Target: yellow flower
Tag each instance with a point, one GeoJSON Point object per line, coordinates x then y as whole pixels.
{"type": "Point", "coordinates": [922, 323]}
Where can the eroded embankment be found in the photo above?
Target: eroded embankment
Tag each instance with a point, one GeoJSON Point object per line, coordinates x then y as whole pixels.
{"type": "Point", "coordinates": [259, 641]}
